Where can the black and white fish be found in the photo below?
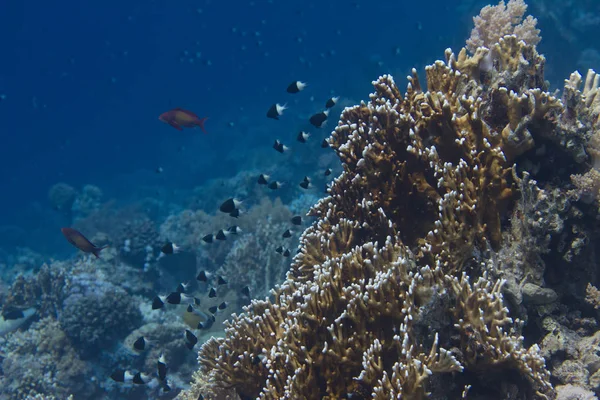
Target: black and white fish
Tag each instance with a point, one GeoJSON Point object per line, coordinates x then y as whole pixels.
{"type": "Point", "coordinates": [328, 172]}
{"type": "Point", "coordinates": [263, 179]}
{"type": "Point", "coordinates": [121, 376]}
{"type": "Point", "coordinates": [221, 235]}
{"type": "Point", "coordinates": [140, 344]}
{"type": "Point", "coordinates": [324, 144]}
{"type": "Point", "coordinates": [182, 287]}
{"type": "Point", "coordinates": [141, 378]}
{"type": "Point", "coordinates": [170, 248]}
{"type": "Point", "coordinates": [280, 147]}
{"type": "Point", "coordinates": [302, 137]}
{"type": "Point", "coordinates": [296, 87]}
{"type": "Point", "coordinates": [275, 185]}
{"type": "Point", "coordinates": [235, 230]}
{"type": "Point", "coordinates": [305, 184]}
{"type": "Point", "coordinates": [190, 339]}
{"type": "Point", "coordinates": [287, 234]}
{"type": "Point", "coordinates": [204, 276]}
{"type": "Point", "coordinates": [208, 238]}
{"type": "Point", "coordinates": [161, 368]}
{"type": "Point", "coordinates": [297, 220]}
{"type": "Point", "coordinates": [318, 119]}
{"type": "Point", "coordinates": [245, 291]}
{"type": "Point", "coordinates": [229, 205]}
{"type": "Point", "coordinates": [158, 302]}
{"type": "Point", "coordinates": [276, 111]}
{"type": "Point", "coordinates": [331, 102]}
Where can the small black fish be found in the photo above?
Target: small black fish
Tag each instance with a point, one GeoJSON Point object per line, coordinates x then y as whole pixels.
{"type": "Point", "coordinates": [212, 292]}
{"type": "Point", "coordinates": [275, 185]}
{"type": "Point", "coordinates": [276, 111]}
{"type": "Point", "coordinates": [140, 378]}
{"type": "Point", "coordinates": [280, 147]}
{"type": "Point", "coordinates": [263, 179]}
{"type": "Point", "coordinates": [191, 339]}
{"type": "Point", "coordinates": [208, 238]}
{"type": "Point", "coordinates": [121, 376]}
{"type": "Point", "coordinates": [208, 323]}
{"type": "Point", "coordinates": [213, 309]}
{"type": "Point", "coordinates": [296, 87]}
{"type": "Point", "coordinates": [331, 102]}
{"type": "Point", "coordinates": [297, 220]}
{"type": "Point", "coordinates": [221, 235]}
{"type": "Point", "coordinates": [261, 358]}
{"type": "Point", "coordinates": [161, 368]}
{"type": "Point", "coordinates": [319, 119]}
{"type": "Point", "coordinates": [182, 287]}
{"type": "Point", "coordinates": [140, 344]}
{"type": "Point", "coordinates": [324, 144]}
{"type": "Point", "coordinates": [200, 397]}
{"type": "Point", "coordinates": [305, 184]}
{"type": "Point", "coordinates": [235, 213]}
{"type": "Point", "coordinates": [302, 137]}
{"type": "Point", "coordinates": [170, 248]}
{"type": "Point", "coordinates": [221, 281]}
{"type": "Point", "coordinates": [158, 302]}
{"type": "Point", "coordinates": [287, 234]}
{"type": "Point", "coordinates": [286, 253]}
{"type": "Point", "coordinates": [174, 298]}
{"type": "Point", "coordinates": [279, 249]}
{"type": "Point", "coordinates": [328, 172]}
{"type": "Point", "coordinates": [223, 305]}
{"type": "Point", "coordinates": [234, 229]}
{"type": "Point", "coordinates": [245, 291]}
{"type": "Point", "coordinates": [204, 276]}
{"type": "Point", "coordinates": [229, 205]}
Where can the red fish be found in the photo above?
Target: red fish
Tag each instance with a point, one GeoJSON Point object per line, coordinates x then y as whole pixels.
{"type": "Point", "coordinates": [78, 240]}
{"type": "Point", "coordinates": [179, 118]}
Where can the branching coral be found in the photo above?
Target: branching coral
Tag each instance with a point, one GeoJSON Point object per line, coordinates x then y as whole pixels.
{"type": "Point", "coordinates": [427, 178]}
{"type": "Point", "coordinates": [406, 234]}
{"type": "Point", "coordinates": [495, 22]}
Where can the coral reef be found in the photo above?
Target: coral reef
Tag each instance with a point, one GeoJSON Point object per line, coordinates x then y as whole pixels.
{"type": "Point", "coordinates": [95, 313]}
{"type": "Point", "coordinates": [253, 260]}
{"type": "Point", "coordinates": [494, 22]}
{"type": "Point", "coordinates": [398, 287]}
{"type": "Point", "coordinates": [42, 362]}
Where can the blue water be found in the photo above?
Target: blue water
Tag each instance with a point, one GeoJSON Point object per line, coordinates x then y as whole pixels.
{"type": "Point", "coordinates": [82, 85]}
{"type": "Point", "coordinates": [85, 83]}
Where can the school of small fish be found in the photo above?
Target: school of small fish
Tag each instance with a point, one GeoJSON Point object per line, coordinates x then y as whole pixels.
{"type": "Point", "coordinates": [197, 319]}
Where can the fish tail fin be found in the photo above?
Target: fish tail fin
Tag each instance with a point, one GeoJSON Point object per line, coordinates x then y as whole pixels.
{"type": "Point", "coordinates": [201, 122]}
{"type": "Point", "coordinates": [97, 251]}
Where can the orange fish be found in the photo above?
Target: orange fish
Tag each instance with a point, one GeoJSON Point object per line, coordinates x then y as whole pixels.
{"type": "Point", "coordinates": [179, 118]}
{"type": "Point", "coordinates": [78, 240]}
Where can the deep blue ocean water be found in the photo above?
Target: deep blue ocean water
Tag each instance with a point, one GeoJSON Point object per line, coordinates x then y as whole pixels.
{"type": "Point", "coordinates": [83, 83]}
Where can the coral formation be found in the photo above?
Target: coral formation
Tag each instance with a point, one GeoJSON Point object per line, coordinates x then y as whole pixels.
{"type": "Point", "coordinates": [95, 313]}
{"type": "Point", "coordinates": [253, 260]}
{"type": "Point", "coordinates": [42, 362]}
{"type": "Point", "coordinates": [494, 22]}
{"type": "Point", "coordinates": [397, 290]}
